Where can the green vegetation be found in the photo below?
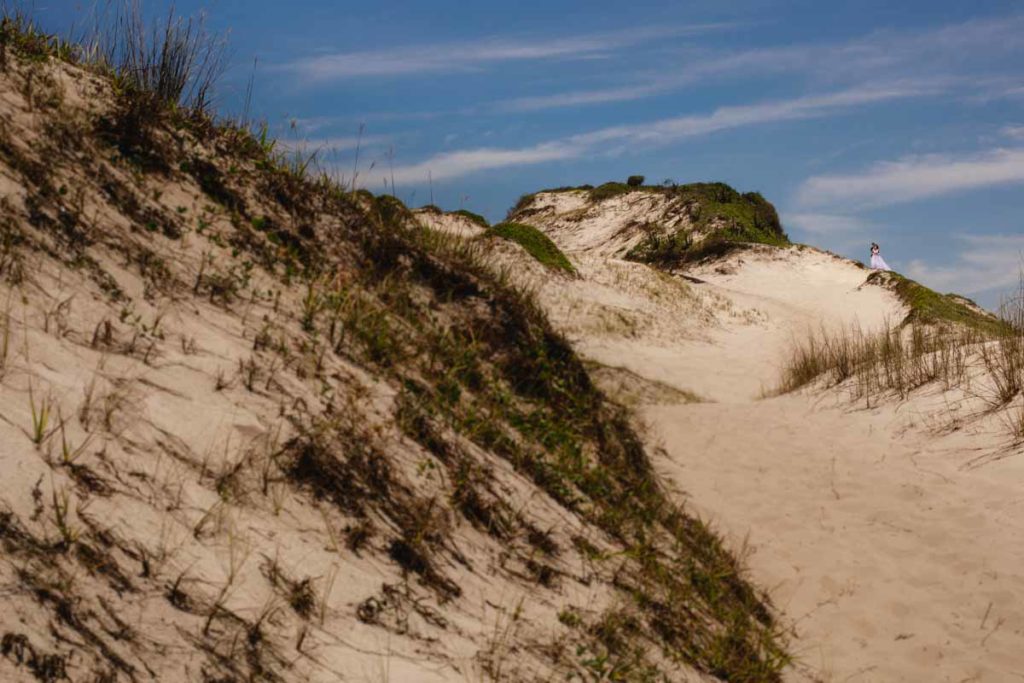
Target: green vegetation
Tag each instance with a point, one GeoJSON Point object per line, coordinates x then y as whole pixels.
{"type": "Point", "coordinates": [475, 217]}
{"type": "Point", "coordinates": [536, 243]}
{"type": "Point", "coordinates": [727, 218]}
{"type": "Point", "coordinates": [610, 190]}
{"type": "Point", "coordinates": [928, 306]}
{"type": "Point", "coordinates": [465, 213]}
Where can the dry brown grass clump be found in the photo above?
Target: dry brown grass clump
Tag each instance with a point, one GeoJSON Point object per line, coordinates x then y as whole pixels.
{"type": "Point", "coordinates": [985, 363]}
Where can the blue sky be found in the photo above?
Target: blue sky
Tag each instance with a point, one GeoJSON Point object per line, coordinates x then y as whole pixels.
{"type": "Point", "coordinates": [901, 123]}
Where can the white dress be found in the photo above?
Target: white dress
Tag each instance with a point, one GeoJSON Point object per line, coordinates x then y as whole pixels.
{"type": "Point", "coordinates": [877, 262]}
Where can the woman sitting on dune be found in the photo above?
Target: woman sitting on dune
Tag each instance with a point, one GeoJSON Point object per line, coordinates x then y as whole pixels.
{"type": "Point", "coordinates": [877, 262]}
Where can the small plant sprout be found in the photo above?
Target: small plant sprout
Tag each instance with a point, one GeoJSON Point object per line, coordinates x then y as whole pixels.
{"type": "Point", "coordinates": [40, 416]}
{"type": "Point", "coordinates": [311, 305]}
{"type": "Point", "coordinates": [238, 555]}
{"type": "Point", "coordinates": [62, 515]}
{"type": "Point", "coordinates": [68, 454]}
{"type": "Point", "coordinates": [5, 337]}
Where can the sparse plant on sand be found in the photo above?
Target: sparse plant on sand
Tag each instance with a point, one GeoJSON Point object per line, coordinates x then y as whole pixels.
{"type": "Point", "coordinates": [69, 453]}
{"type": "Point", "coordinates": [238, 555]}
{"type": "Point", "coordinates": [323, 600]}
{"type": "Point", "coordinates": [40, 416]}
{"type": "Point", "coordinates": [312, 303]}
{"type": "Point", "coordinates": [5, 337]}
{"type": "Point", "coordinates": [61, 519]}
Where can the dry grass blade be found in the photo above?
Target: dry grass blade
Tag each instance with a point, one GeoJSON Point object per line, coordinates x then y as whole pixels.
{"type": "Point", "coordinates": [5, 337]}
{"type": "Point", "coordinates": [176, 61]}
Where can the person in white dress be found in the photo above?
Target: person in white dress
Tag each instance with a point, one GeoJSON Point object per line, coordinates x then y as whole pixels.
{"type": "Point", "coordinates": [877, 262]}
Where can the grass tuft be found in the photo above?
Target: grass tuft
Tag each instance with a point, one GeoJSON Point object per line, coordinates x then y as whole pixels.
{"type": "Point", "coordinates": [475, 217]}
{"type": "Point", "coordinates": [536, 243]}
{"type": "Point", "coordinates": [899, 359]}
{"type": "Point", "coordinates": [40, 416]}
{"type": "Point", "coordinates": [928, 306]}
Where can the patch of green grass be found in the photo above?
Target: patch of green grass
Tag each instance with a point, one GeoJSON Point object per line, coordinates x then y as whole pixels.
{"type": "Point", "coordinates": [928, 306]}
{"type": "Point", "coordinates": [610, 190]}
{"type": "Point", "coordinates": [475, 217]}
{"type": "Point", "coordinates": [736, 218]}
{"type": "Point", "coordinates": [536, 243]}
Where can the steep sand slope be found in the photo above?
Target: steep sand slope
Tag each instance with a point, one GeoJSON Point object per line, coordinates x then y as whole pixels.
{"type": "Point", "coordinates": [890, 539]}
{"type": "Point", "coordinates": [255, 426]}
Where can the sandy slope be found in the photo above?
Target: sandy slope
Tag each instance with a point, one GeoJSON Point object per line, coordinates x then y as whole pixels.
{"type": "Point", "coordinates": [893, 562]}
{"type": "Point", "coordinates": [892, 544]}
{"type": "Point", "coordinates": [160, 525]}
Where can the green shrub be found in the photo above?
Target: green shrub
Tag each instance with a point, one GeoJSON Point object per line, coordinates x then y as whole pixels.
{"type": "Point", "coordinates": [635, 180]}
{"type": "Point", "coordinates": [743, 219]}
{"type": "Point", "coordinates": [928, 306]}
{"type": "Point", "coordinates": [608, 190]}
{"type": "Point", "coordinates": [475, 217]}
{"type": "Point", "coordinates": [536, 243]}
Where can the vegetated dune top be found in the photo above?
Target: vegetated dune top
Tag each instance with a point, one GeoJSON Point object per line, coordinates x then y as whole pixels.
{"type": "Point", "coordinates": [450, 222]}
{"type": "Point", "coordinates": [617, 220]}
{"type": "Point", "coordinates": [256, 426]}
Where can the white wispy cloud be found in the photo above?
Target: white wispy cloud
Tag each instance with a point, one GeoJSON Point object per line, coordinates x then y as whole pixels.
{"type": "Point", "coordinates": [939, 52]}
{"type": "Point", "coordinates": [656, 133]}
{"type": "Point", "coordinates": [987, 263]}
{"type": "Point", "coordinates": [680, 74]}
{"type": "Point", "coordinates": [574, 98]}
{"type": "Point", "coordinates": [912, 178]}
{"type": "Point", "coordinates": [825, 223]}
{"type": "Point", "coordinates": [1013, 132]}
{"type": "Point", "coordinates": [737, 116]}
{"type": "Point", "coordinates": [464, 162]}
{"type": "Point", "coordinates": [455, 57]}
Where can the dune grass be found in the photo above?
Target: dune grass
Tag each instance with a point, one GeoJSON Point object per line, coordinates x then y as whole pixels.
{"type": "Point", "coordinates": [536, 243]}
{"type": "Point", "coordinates": [928, 306]}
{"type": "Point", "coordinates": [475, 217]}
{"type": "Point", "coordinates": [937, 344]}
{"type": "Point", "coordinates": [896, 359]}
